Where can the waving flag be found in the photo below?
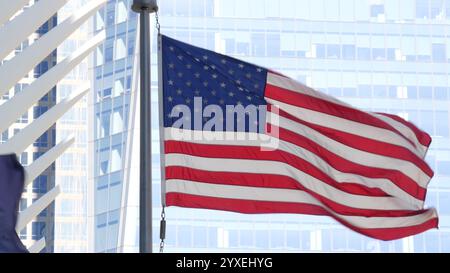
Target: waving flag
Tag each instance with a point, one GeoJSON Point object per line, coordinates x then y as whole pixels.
{"type": "Point", "coordinates": [11, 188]}
{"type": "Point", "coordinates": [239, 137]}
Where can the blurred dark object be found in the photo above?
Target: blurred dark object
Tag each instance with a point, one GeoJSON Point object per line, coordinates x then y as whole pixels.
{"type": "Point", "coordinates": [12, 177]}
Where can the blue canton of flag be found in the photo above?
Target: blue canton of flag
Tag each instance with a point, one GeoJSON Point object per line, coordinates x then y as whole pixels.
{"type": "Point", "coordinates": [191, 72]}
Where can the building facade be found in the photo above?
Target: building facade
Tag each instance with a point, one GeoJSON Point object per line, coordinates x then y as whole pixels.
{"type": "Point", "coordinates": [109, 110]}
{"type": "Point", "coordinates": [379, 55]}
{"type": "Point", "coordinates": [43, 225]}
{"type": "Point", "coordinates": [71, 206]}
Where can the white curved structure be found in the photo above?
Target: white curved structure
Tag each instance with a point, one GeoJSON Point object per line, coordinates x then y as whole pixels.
{"type": "Point", "coordinates": [8, 8]}
{"type": "Point", "coordinates": [12, 71]}
{"type": "Point", "coordinates": [17, 105]}
{"type": "Point", "coordinates": [25, 23]}
{"type": "Point", "coordinates": [29, 134]}
{"type": "Point", "coordinates": [39, 165]}
{"type": "Point", "coordinates": [12, 33]}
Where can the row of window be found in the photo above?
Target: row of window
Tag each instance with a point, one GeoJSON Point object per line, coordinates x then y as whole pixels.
{"type": "Point", "coordinates": [440, 93]}
{"type": "Point", "coordinates": [333, 10]}
{"type": "Point", "coordinates": [330, 240]}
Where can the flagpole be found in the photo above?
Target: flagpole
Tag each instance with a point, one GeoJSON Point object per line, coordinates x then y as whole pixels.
{"type": "Point", "coordinates": [144, 8]}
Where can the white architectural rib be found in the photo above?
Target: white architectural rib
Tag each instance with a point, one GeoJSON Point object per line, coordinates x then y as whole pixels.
{"type": "Point", "coordinates": [38, 246]}
{"type": "Point", "coordinates": [43, 162]}
{"type": "Point", "coordinates": [37, 207]}
{"type": "Point", "coordinates": [8, 8]}
{"type": "Point", "coordinates": [29, 134]}
{"type": "Point", "coordinates": [12, 109]}
{"type": "Point", "coordinates": [17, 30]}
{"type": "Point", "coordinates": [12, 71]}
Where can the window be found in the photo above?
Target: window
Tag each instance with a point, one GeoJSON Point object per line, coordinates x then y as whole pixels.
{"type": "Point", "coordinates": [273, 45]}
{"type": "Point", "coordinates": [39, 110]}
{"type": "Point", "coordinates": [392, 91]}
{"type": "Point", "coordinates": [379, 91]}
{"type": "Point", "coordinates": [197, 8]}
{"type": "Point", "coordinates": [348, 52]}
{"type": "Point", "coordinates": [425, 92]}
{"type": "Point", "coordinates": [335, 92]}
{"type": "Point", "coordinates": [447, 5]}
{"type": "Point", "coordinates": [440, 93]}
{"type": "Point", "coordinates": [444, 202]}
{"type": "Point", "coordinates": [242, 48]}
{"type": "Point", "coordinates": [422, 9]}
{"type": "Point", "coordinates": [438, 53]}
{"type": "Point", "coordinates": [200, 236]}
{"type": "Point", "coordinates": [258, 44]}
{"type": "Point", "coordinates": [349, 92]}
{"type": "Point", "coordinates": [40, 184]}
{"type": "Point", "coordinates": [23, 204]}
{"type": "Point", "coordinates": [184, 236]}
{"type": "Point", "coordinates": [105, 124]}
{"type": "Point", "coordinates": [436, 8]}
{"type": "Point", "coordinates": [121, 50]}
{"type": "Point", "coordinates": [104, 167]}
{"type": "Point", "coordinates": [121, 12]}
{"type": "Point", "coordinates": [412, 92]}
{"type": "Point", "coordinates": [276, 239]}
{"type": "Point", "coordinates": [23, 234]}
{"type": "Point", "coordinates": [42, 141]}
{"type": "Point", "coordinates": [43, 29]}
{"type": "Point", "coordinates": [378, 54]}
{"type": "Point", "coordinates": [24, 158]}
{"type": "Point", "coordinates": [292, 239]}
{"type": "Point", "coordinates": [363, 53]}
{"type": "Point", "coordinates": [182, 8]}
{"type": "Point", "coordinates": [100, 220]}
{"type": "Point", "coordinates": [246, 238]}
{"type": "Point", "coordinates": [262, 238]}
{"type": "Point", "coordinates": [320, 51]}
{"type": "Point", "coordinates": [442, 124]}
{"type": "Point", "coordinates": [110, 16]}
{"type": "Point", "coordinates": [365, 91]}
{"type": "Point", "coordinates": [107, 93]}
{"type": "Point", "coordinates": [131, 44]}
{"type": "Point", "coordinates": [333, 51]}
{"type": "Point", "coordinates": [426, 121]}
{"type": "Point", "coordinates": [339, 239]}
{"type": "Point", "coordinates": [376, 10]}
{"type": "Point", "coordinates": [109, 51]}
{"type": "Point", "coordinates": [113, 217]}
{"type": "Point", "coordinates": [4, 136]}
{"type": "Point", "coordinates": [38, 229]}
{"type": "Point", "coordinates": [390, 54]}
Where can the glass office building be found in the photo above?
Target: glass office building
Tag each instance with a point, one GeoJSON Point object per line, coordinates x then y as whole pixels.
{"type": "Point", "coordinates": [109, 109]}
{"type": "Point", "coordinates": [71, 173]}
{"type": "Point", "coordinates": [383, 56]}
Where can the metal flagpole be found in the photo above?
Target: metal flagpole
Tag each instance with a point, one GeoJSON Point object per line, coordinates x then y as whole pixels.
{"type": "Point", "coordinates": [144, 8]}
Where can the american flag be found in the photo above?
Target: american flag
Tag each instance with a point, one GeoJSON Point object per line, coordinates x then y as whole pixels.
{"type": "Point", "coordinates": [295, 149]}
